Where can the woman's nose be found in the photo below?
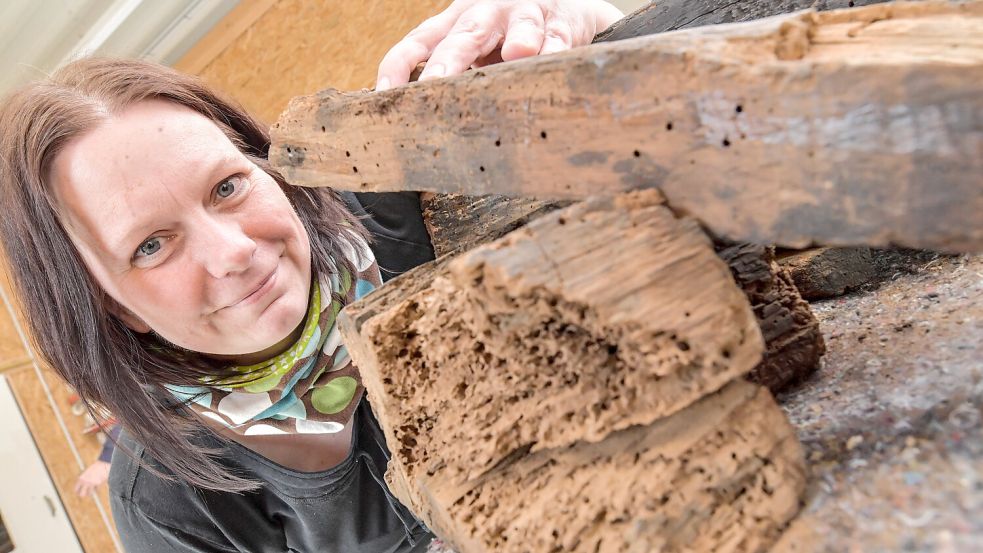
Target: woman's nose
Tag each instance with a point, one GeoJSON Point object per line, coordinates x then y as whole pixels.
{"type": "Point", "coordinates": [223, 248]}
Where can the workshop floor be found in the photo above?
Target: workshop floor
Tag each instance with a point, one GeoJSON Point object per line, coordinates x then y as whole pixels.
{"type": "Point", "coordinates": [891, 424]}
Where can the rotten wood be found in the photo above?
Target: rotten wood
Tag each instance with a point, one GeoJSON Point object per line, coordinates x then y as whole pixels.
{"type": "Point", "coordinates": [794, 344]}
{"type": "Point", "coordinates": [850, 126]}
{"type": "Point", "coordinates": [725, 474]}
{"type": "Point", "coordinates": [607, 314]}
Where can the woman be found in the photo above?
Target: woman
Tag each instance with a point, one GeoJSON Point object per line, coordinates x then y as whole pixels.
{"type": "Point", "coordinates": [172, 277]}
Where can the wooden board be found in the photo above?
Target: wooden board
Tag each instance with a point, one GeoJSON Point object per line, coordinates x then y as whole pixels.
{"type": "Point", "coordinates": [533, 342]}
{"type": "Point", "coordinates": [853, 126]}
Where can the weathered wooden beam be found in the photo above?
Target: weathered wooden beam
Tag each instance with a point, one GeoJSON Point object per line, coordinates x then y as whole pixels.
{"type": "Point", "coordinates": [854, 126]}
{"type": "Point", "coordinates": [604, 315]}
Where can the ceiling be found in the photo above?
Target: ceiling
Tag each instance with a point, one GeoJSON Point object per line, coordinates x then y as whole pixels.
{"type": "Point", "coordinates": [37, 36]}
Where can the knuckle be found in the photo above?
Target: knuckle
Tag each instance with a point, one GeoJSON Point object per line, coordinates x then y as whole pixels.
{"type": "Point", "coordinates": [526, 20]}
{"type": "Point", "coordinates": [471, 27]}
{"type": "Point", "coordinates": [423, 28]}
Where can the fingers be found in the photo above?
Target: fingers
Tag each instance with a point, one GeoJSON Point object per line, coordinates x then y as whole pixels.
{"type": "Point", "coordinates": [401, 59]}
{"type": "Point", "coordinates": [526, 31]}
{"type": "Point", "coordinates": [477, 33]}
{"type": "Point", "coordinates": [83, 489]}
{"type": "Point", "coordinates": [559, 36]}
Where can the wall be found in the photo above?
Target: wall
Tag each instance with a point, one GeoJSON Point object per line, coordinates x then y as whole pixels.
{"type": "Point", "coordinates": [295, 47]}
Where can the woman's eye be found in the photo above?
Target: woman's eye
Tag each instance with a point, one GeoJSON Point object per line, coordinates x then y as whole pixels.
{"type": "Point", "coordinates": [227, 187]}
{"type": "Point", "coordinates": [148, 248]}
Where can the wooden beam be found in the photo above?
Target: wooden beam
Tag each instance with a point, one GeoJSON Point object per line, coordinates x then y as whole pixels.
{"type": "Point", "coordinates": [858, 126]}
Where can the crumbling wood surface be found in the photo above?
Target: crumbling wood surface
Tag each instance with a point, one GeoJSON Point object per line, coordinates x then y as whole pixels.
{"type": "Point", "coordinates": [793, 342]}
{"type": "Point", "coordinates": [852, 126]}
{"type": "Point", "coordinates": [550, 336]}
{"type": "Point", "coordinates": [725, 474]}
{"type": "Point", "coordinates": [822, 273]}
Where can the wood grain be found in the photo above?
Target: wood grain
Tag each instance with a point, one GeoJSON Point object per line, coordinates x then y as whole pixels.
{"type": "Point", "coordinates": [858, 126]}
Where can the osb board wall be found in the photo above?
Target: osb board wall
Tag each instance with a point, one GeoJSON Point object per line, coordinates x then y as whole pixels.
{"type": "Point", "coordinates": [44, 402]}
{"type": "Point", "coordinates": [301, 46]}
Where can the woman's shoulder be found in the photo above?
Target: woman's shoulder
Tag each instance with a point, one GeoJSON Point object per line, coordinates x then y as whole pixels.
{"type": "Point", "coordinates": [150, 506]}
{"type": "Point", "coordinates": [400, 240]}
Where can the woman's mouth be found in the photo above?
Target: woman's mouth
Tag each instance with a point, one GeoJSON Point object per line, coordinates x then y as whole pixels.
{"type": "Point", "coordinates": [261, 290]}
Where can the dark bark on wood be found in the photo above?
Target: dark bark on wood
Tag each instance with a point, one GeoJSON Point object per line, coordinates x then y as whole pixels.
{"type": "Point", "coordinates": [672, 15]}
{"type": "Point", "coordinates": [793, 341]}
{"type": "Point", "coordinates": [822, 273]}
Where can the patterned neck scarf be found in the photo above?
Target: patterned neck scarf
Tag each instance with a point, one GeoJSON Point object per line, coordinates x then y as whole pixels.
{"type": "Point", "coordinates": [312, 387]}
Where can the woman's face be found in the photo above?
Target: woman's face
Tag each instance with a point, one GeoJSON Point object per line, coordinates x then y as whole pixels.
{"type": "Point", "coordinates": [189, 237]}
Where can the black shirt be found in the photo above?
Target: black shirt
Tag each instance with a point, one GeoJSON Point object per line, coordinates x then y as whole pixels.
{"type": "Point", "coordinates": [344, 509]}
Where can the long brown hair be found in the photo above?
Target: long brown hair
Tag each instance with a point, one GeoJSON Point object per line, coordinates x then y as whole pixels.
{"type": "Point", "coordinates": [108, 364]}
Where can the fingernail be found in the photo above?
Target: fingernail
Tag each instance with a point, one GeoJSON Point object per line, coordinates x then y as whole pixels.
{"type": "Point", "coordinates": [433, 71]}
{"type": "Point", "coordinates": [383, 84]}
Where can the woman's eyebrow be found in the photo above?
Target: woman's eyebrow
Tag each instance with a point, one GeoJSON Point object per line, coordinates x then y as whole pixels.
{"type": "Point", "coordinates": [214, 170]}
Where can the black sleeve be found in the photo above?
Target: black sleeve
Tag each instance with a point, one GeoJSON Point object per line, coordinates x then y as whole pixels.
{"type": "Point", "coordinates": [395, 220]}
{"type": "Point", "coordinates": [141, 534]}
{"type": "Point", "coordinates": [112, 435]}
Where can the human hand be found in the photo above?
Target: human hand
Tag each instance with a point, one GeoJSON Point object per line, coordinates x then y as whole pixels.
{"type": "Point", "coordinates": [91, 478]}
{"type": "Point", "coordinates": [478, 32]}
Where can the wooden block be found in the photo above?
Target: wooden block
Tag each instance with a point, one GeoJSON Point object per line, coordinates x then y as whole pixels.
{"type": "Point", "coordinates": [856, 126]}
{"type": "Point", "coordinates": [821, 273]}
{"type": "Point", "coordinates": [607, 314]}
{"type": "Point", "coordinates": [725, 474]}
{"type": "Point", "coordinates": [793, 341]}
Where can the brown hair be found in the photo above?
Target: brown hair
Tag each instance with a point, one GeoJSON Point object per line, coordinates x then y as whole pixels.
{"type": "Point", "coordinates": [103, 360]}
